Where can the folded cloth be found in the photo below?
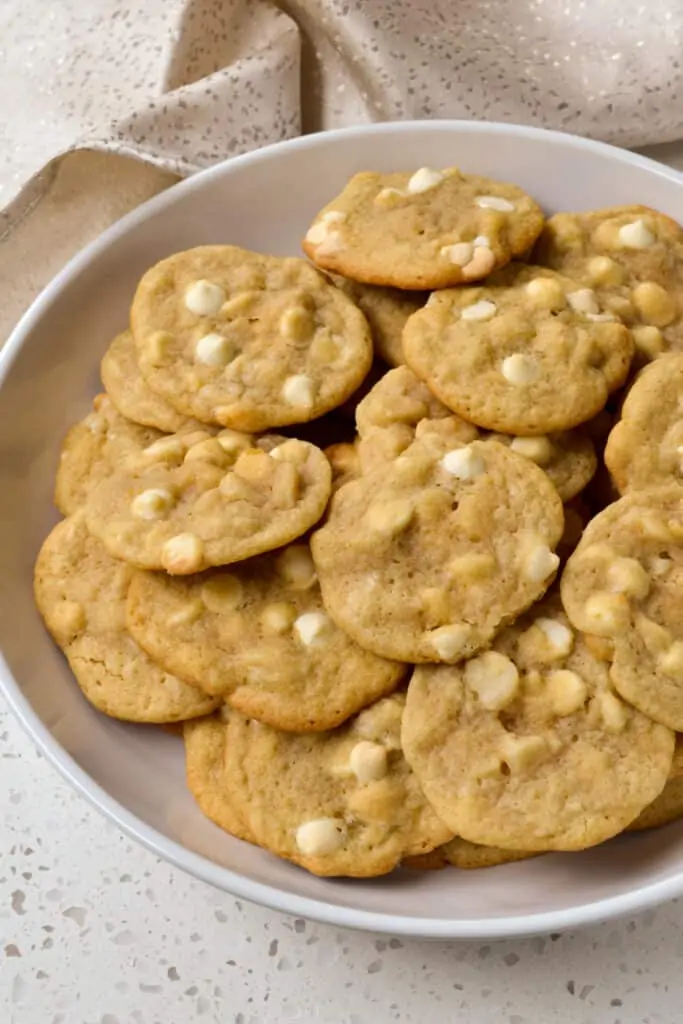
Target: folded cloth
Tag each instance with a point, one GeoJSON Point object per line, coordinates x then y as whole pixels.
{"type": "Point", "coordinates": [181, 84]}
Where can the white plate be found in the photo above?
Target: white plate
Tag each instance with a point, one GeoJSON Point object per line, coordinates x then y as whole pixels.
{"type": "Point", "coordinates": [48, 374]}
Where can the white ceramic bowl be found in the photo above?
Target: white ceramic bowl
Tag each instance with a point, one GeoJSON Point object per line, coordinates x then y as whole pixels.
{"type": "Point", "coordinates": [48, 374]}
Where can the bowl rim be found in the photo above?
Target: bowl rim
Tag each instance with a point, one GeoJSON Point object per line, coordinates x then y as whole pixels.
{"type": "Point", "coordinates": [515, 925]}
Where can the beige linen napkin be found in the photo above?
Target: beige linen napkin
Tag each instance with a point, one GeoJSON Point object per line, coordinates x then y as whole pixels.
{"type": "Point", "coordinates": [105, 103]}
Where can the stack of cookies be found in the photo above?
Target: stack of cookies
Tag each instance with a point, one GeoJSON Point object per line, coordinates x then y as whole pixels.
{"type": "Point", "coordinates": [379, 530]}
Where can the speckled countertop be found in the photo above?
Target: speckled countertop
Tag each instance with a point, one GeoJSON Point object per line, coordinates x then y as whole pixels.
{"type": "Point", "coordinates": [96, 930]}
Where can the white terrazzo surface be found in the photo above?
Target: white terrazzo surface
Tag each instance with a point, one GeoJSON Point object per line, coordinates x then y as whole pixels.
{"type": "Point", "coordinates": [95, 930]}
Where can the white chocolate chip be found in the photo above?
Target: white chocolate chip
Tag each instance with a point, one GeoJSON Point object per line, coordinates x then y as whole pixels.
{"type": "Point", "coordinates": [602, 318]}
{"type": "Point", "coordinates": [612, 711]}
{"type": "Point", "coordinates": [606, 614]}
{"type": "Point", "coordinates": [214, 350]}
{"type": "Point", "coordinates": [654, 303]}
{"type": "Point", "coordinates": [463, 463]}
{"type": "Point", "coordinates": [636, 235]}
{"type": "Point", "coordinates": [460, 253]}
{"type": "Point", "coordinates": [389, 517]}
{"type": "Point", "coordinates": [539, 563]}
{"type": "Point", "coordinates": [495, 203]}
{"type": "Point", "coordinates": [368, 761]}
{"type": "Point", "coordinates": [648, 340]}
{"type": "Point", "coordinates": [520, 369]}
{"type": "Point", "coordinates": [547, 292]}
{"type": "Point", "coordinates": [424, 179]}
{"type": "Point", "coordinates": [538, 449]}
{"type": "Point", "coordinates": [321, 836]}
{"type": "Point", "coordinates": [299, 391]}
{"type": "Point", "coordinates": [204, 298]}
{"type": "Point", "coordinates": [333, 217]}
{"type": "Point", "coordinates": [311, 626]}
{"type": "Point", "coordinates": [182, 554]}
{"type": "Point", "coordinates": [389, 195]}
{"type": "Point", "coordinates": [482, 263]}
{"type": "Point", "coordinates": [317, 233]}
{"type": "Point", "coordinates": [278, 617]}
{"type": "Point", "coordinates": [583, 301]}
{"type": "Point", "coordinates": [671, 661]}
{"type": "Point", "coordinates": [482, 242]}
{"type": "Point", "coordinates": [567, 692]}
{"type": "Point", "coordinates": [154, 503]}
{"type": "Point", "coordinates": [222, 593]}
{"type": "Point", "coordinates": [494, 678]}
{"type": "Point", "coordinates": [627, 576]}
{"type": "Point", "coordinates": [296, 567]}
{"type": "Point", "coordinates": [297, 324]}
{"type": "Point", "coordinates": [604, 271]}
{"type": "Point", "coordinates": [171, 448]}
{"type": "Point", "coordinates": [331, 243]}
{"type": "Point", "coordinates": [449, 642]}
{"type": "Point", "coordinates": [483, 310]}
{"type": "Point", "coordinates": [559, 636]}
{"type": "Point", "coordinates": [523, 752]}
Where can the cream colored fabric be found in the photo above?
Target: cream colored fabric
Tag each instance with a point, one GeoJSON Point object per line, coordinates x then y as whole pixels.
{"type": "Point", "coordinates": [177, 85]}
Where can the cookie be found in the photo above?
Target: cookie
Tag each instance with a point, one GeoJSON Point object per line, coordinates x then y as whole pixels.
{"type": "Point", "coordinates": [258, 637]}
{"type": "Point", "coordinates": [632, 257]}
{"type": "Point", "coordinates": [429, 229]}
{"type": "Point", "coordinates": [129, 391]}
{"type": "Point", "coordinates": [568, 458]}
{"type": "Point", "coordinates": [81, 592]}
{"type": "Point", "coordinates": [645, 448]}
{"type": "Point", "coordinates": [247, 341]}
{"type": "Point", "coordinates": [426, 557]}
{"type": "Point", "coordinates": [623, 584]}
{"type": "Point", "coordinates": [459, 853]}
{"type": "Point", "coordinates": [208, 776]}
{"type": "Point", "coordinates": [386, 310]}
{"type": "Point", "coordinates": [524, 354]}
{"type": "Point", "coordinates": [225, 499]}
{"type": "Point", "coordinates": [668, 806]}
{"type": "Point", "coordinates": [527, 746]}
{"type": "Point", "coordinates": [92, 449]}
{"type": "Point", "coordinates": [389, 416]}
{"type": "Point", "coordinates": [342, 802]}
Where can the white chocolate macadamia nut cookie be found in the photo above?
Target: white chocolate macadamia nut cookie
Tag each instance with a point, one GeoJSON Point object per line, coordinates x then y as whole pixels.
{"type": "Point", "coordinates": [92, 449]}
{"type": "Point", "coordinates": [527, 353]}
{"type": "Point", "coordinates": [387, 310]}
{"type": "Point", "coordinates": [645, 447]}
{"type": "Point", "coordinates": [220, 501]}
{"type": "Point", "coordinates": [460, 853]}
{"type": "Point", "coordinates": [258, 636]}
{"type": "Point", "coordinates": [342, 802]}
{"type": "Point", "coordinates": [624, 583]}
{"type": "Point", "coordinates": [80, 591]}
{"type": "Point", "coordinates": [632, 257]}
{"type": "Point", "coordinates": [424, 558]}
{"type": "Point", "coordinates": [247, 341]}
{"type": "Point", "coordinates": [527, 746]}
{"type": "Point", "coordinates": [130, 392]}
{"type": "Point", "coordinates": [429, 229]}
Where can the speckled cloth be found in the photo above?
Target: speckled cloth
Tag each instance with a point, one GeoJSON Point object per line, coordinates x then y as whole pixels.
{"type": "Point", "coordinates": [180, 84]}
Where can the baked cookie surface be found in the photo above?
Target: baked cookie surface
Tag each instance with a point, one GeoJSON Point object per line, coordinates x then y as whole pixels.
{"type": "Point", "coordinates": [258, 637]}
{"type": "Point", "coordinates": [342, 802]}
{"type": "Point", "coordinates": [624, 583]}
{"type": "Point", "coordinates": [527, 746]}
{"type": "Point", "coordinates": [129, 391]}
{"type": "Point", "coordinates": [424, 558]}
{"type": "Point", "coordinates": [645, 447]}
{"type": "Point", "coordinates": [429, 229]}
{"type": "Point", "coordinates": [247, 341]}
{"type": "Point", "coordinates": [81, 593]}
{"type": "Point", "coordinates": [92, 449]}
{"type": "Point", "coordinates": [632, 256]}
{"type": "Point", "coordinates": [220, 501]}
{"type": "Point", "coordinates": [386, 310]}
{"type": "Point", "coordinates": [526, 353]}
